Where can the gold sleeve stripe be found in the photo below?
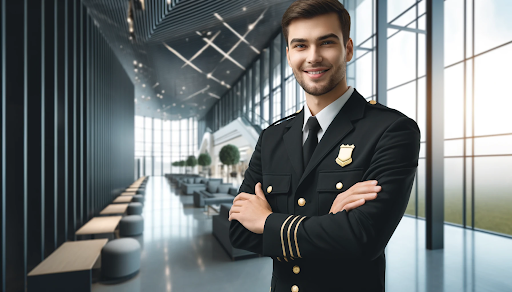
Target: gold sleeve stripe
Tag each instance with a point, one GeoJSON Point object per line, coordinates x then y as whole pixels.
{"type": "Point", "coordinates": [295, 235]}
{"type": "Point", "coordinates": [282, 228]}
{"type": "Point", "coordinates": [289, 240]}
{"type": "Point", "coordinates": [278, 259]}
{"type": "Point", "coordinates": [286, 259]}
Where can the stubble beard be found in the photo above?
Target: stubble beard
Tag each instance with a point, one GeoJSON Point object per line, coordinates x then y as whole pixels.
{"type": "Point", "coordinates": [335, 78]}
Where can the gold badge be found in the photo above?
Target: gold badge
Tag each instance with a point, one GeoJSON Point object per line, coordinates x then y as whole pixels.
{"type": "Point", "coordinates": [345, 156]}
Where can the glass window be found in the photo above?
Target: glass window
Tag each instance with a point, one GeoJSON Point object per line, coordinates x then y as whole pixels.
{"type": "Point", "coordinates": [276, 104]}
{"type": "Point", "coordinates": [290, 99]}
{"type": "Point", "coordinates": [493, 25]}
{"type": "Point", "coordinates": [265, 73]}
{"type": "Point", "coordinates": [453, 172]}
{"type": "Point", "coordinates": [276, 62]}
{"type": "Point", "coordinates": [454, 31]}
{"type": "Point", "coordinates": [362, 29]}
{"type": "Point", "coordinates": [492, 105]}
{"type": "Point", "coordinates": [401, 58]}
{"type": "Point", "coordinates": [453, 99]}
{"type": "Point", "coordinates": [493, 201]}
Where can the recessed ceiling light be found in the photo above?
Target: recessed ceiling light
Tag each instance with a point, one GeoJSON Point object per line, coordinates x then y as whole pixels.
{"type": "Point", "coordinates": [227, 71]}
{"type": "Point", "coordinates": [163, 91]}
{"type": "Point", "coordinates": [209, 33]}
{"type": "Point", "coordinates": [245, 8]}
{"type": "Point", "coordinates": [173, 104]}
{"type": "Point", "coordinates": [135, 70]}
{"type": "Point", "coordinates": [181, 92]}
{"type": "Point", "coordinates": [182, 105]}
{"type": "Point", "coordinates": [251, 26]}
{"type": "Point", "coordinates": [140, 65]}
{"type": "Point", "coordinates": [222, 82]}
{"type": "Point", "coordinates": [183, 88]}
{"type": "Point", "coordinates": [143, 85]}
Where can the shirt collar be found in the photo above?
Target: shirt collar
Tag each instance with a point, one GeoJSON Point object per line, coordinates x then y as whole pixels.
{"type": "Point", "coordinates": [327, 114]}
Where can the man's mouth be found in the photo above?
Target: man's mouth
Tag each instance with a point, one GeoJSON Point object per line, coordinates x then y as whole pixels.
{"type": "Point", "coordinates": [316, 73]}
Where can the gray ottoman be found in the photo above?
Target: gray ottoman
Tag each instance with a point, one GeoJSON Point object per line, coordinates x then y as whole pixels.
{"type": "Point", "coordinates": [138, 199]}
{"type": "Point", "coordinates": [120, 258]}
{"type": "Point", "coordinates": [140, 191]}
{"type": "Point", "coordinates": [131, 225]}
{"type": "Point", "coordinates": [134, 209]}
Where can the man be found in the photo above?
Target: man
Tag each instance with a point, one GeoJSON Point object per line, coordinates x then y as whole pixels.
{"type": "Point", "coordinates": [310, 198]}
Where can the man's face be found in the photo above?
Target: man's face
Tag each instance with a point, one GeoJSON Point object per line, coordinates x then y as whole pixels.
{"type": "Point", "coordinates": [316, 53]}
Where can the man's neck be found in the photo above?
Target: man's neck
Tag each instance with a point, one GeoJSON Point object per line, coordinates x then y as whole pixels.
{"type": "Point", "coordinates": [318, 103]}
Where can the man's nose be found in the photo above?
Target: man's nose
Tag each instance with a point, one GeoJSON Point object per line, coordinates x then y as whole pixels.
{"type": "Point", "coordinates": [314, 55]}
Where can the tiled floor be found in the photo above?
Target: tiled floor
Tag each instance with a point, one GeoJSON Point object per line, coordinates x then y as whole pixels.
{"type": "Point", "coordinates": [180, 254]}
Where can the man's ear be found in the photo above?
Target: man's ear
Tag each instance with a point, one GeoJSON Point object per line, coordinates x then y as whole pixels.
{"type": "Point", "coordinates": [288, 57]}
{"type": "Point", "coordinates": [349, 50]}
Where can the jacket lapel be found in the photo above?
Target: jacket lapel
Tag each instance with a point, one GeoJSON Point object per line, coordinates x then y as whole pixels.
{"type": "Point", "coordinates": [337, 130]}
{"type": "Point", "coordinates": [291, 139]}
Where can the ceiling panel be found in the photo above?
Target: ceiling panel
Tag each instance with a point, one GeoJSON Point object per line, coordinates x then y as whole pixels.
{"type": "Point", "coordinates": [184, 55]}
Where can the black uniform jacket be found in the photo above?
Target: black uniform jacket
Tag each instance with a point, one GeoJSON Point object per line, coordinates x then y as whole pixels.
{"type": "Point", "coordinates": [312, 249]}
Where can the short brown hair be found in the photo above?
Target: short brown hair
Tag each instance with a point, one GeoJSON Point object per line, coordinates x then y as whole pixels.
{"type": "Point", "coordinates": [312, 8]}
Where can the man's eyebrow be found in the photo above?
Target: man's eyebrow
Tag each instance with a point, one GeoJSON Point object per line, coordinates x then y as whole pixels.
{"type": "Point", "coordinates": [331, 35]}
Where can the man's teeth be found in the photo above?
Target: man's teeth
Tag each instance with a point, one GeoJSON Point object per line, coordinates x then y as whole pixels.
{"type": "Point", "coordinates": [316, 72]}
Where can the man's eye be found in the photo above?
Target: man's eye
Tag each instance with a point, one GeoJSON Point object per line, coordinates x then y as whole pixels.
{"type": "Point", "coordinates": [296, 46]}
{"type": "Point", "coordinates": [328, 42]}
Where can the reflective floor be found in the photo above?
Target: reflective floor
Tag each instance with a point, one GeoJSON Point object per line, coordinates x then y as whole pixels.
{"type": "Point", "coordinates": [179, 253]}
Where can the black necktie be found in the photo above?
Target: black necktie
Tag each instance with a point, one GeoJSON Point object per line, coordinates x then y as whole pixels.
{"type": "Point", "coordinates": [309, 146]}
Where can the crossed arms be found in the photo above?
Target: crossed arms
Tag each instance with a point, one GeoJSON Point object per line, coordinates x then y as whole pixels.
{"type": "Point", "coordinates": [361, 233]}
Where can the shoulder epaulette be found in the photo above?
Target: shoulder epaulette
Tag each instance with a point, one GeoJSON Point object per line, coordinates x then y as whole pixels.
{"type": "Point", "coordinates": [286, 118]}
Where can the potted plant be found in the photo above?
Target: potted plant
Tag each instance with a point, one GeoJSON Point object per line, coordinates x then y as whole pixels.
{"type": "Point", "coordinates": [181, 164]}
{"type": "Point", "coordinates": [204, 160]}
{"type": "Point", "coordinates": [229, 155]}
{"type": "Point", "coordinates": [191, 162]}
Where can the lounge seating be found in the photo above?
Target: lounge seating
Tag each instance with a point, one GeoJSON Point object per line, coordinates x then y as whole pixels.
{"type": "Point", "coordinates": [220, 228]}
{"type": "Point", "coordinates": [120, 258]}
{"type": "Point", "coordinates": [199, 184]}
{"type": "Point", "coordinates": [138, 198]}
{"type": "Point", "coordinates": [134, 209]}
{"type": "Point", "coordinates": [215, 194]}
{"type": "Point", "coordinates": [131, 225]}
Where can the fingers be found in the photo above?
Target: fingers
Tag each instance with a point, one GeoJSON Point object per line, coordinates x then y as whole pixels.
{"type": "Point", "coordinates": [366, 197]}
{"type": "Point", "coordinates": [353, 205]}
{"type": "Point", "coordinates": [242, 196]}
{"type": "Point", "coordinates": [234, 210]}
{"type": "Point", "coordinates": [258, 191]}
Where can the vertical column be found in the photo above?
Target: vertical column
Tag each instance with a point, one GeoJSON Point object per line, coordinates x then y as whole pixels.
{"type": "Point", "coordinates": [13, 146]}
{"type": "Point", "coordinates": [435, 125]}
{"type": "Point", "coordinates": [34, 95]}
{"type": "Point", "coordinates": [382, 51]}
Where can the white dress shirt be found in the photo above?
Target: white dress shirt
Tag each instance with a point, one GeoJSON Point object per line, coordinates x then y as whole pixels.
{"type": "Point", "coordinates": [326, 115]}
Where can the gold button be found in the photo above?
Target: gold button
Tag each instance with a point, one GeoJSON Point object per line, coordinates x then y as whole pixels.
{"type": "Point", "coordinates": [339, 185]}
{"type": "Point", "coordinates": [295, 288]}
{"type": "Point", "coordinates": [302, 202]}
{"type": "Point", "coordinates": [269, 189]}
{"type": "Point", "coordinates": [296, 269]}
{"type": "Point", "coordinates": [373, 102]}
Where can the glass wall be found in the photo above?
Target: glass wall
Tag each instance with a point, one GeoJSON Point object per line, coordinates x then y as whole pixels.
{"type": "Point", "coordinates": [478, 127]}
{"type": "Point", "coordinates": [159, 143]}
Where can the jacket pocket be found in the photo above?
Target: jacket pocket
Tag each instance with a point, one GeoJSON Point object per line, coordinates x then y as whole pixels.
{"type": "Point", "coordinates": [276, 188]}
{"type": "Point", "coordinates": [332, 183]}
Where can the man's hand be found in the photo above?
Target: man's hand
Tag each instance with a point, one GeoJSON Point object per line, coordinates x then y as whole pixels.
{"type": "Point", "coordinates": [251, 210]}
{"type": "Point", "coordinates": [356, 196]}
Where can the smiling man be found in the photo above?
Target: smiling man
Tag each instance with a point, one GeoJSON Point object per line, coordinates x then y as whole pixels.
{"type": "Point", "coordinates": [327, 186]}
